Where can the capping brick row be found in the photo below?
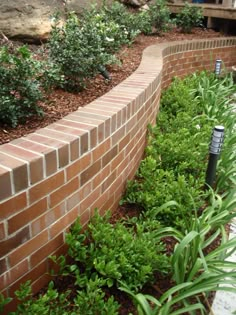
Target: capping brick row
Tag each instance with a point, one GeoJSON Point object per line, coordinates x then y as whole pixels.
{"type": "Point", "coordinates": [54, 175]}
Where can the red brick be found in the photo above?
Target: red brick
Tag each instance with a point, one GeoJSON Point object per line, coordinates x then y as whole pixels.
{"type": "Point", "coordinates": [84, 218]}
{"type": "Point", "coordinates": [2, 231]}
{"type": "Point", "coordinates": [63, 192]}
{"type": "Point", "coordinates": [73, 201]}
{"type": "Point", "coordinates": [19, 169]}
{"type": "Point", "coordinates": [47, 219]}
{"type": "Point", "coordinates": [46, 187]}
{"type": "Point", "coordinates": [88, 201]}
{"type": "Point", "coordinates": [99, 178]}
{"type": "Point", "coordinates": [36, 171]}
{"type": "Point", "coordinates": [72, 140]}
{"type": "Point", "coordinates": [46, 250]}
{"type": "Point", "coordinates": [117, 160]}
{"type": "Point", "coordinates": [101, 150]}
{"type": "Point", "coordinates": [85, 190]}
{"type": "Point", "coordinates": [8, 245]}
{"type": "Point", "coordinates": [61, 225]}
{"type": "Point", "coordinates": [13, 274]}
{"type": "Point", "coordinates": [51, 163]}
{"type": "Point", "coordinates": [42, 145]}
{"type": "Point", "coordinates": [24, 217]}
{"type": "Point", "coordinates": [5, 183]}
{"type": "Point", "coordinates": [89, 124]}
{"type": "Point", "coordinates": [31, 275]}
{"type": "Point", "coordinates": [19, 152]}
{"type": "Point", "coordinates": [35, 160]}
{"type": "Point", "coordinates": [28, 248]}
{"type": "Point", "coordinates": [13, 205]}
{"type": "Point", "coordinates": [109, 156]}
{"type": "Point", "coordinates": [108, 181]}
{"type": "Point", "coordinates": [77, 167]}
{"type": "Point", "coordinates": [63, 153]}
{"type": "Point", "coordinates": [73, 131]}
{"type": "Point", "coordinates": [123, 142]}
{"type": "Point", "coordinates": [3, 265]}
{"type": "Point", "coordinates": [119, 134]}
{"type": "Point", "coordinates": [90, 172]}
{"type": "Point", "coordinates": [73, 123]}
{"type": "Point", "coordinates": [99, 202]}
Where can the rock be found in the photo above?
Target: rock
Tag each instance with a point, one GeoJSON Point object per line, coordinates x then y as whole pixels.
{"type": "Point", "coordinates": [145, 7]}
{"type": "Point", "coordinates": [134, 3]}
{"type": "Point", "coordinates": [30, 20]}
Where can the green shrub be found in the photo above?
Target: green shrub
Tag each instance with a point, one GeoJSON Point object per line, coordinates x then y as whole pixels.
{"type": "Point", "coordinates": [92, 300]}
{"type": "Point", "coordinates": [160, 15]}
{"type": "Point", "coordinates": [89, 301]}
{"type": "Point", "coordinates": [189, 17]}
{"type": "Point", "coordinates": [78, 48]}
{"type": "Point", "coordinates": [116, 252]}
{"type": "Point", "coordinates": [195, 271]}
{"type": "Point", "coordinates": [154, 187]}
{"type": "Point", "coordinates": [20, 88]}
{"type": "Point", "coordinates": [52, 302]}
{"type": "Point", "coordinates": [129, 23]}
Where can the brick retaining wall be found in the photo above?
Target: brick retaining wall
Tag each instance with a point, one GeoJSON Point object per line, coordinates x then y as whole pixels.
{"type": "Point", "coordinates": [54, 175]}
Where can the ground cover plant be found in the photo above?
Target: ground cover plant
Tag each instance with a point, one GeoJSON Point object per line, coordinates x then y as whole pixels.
{"type": "Point", "coordinates": [127, 254]}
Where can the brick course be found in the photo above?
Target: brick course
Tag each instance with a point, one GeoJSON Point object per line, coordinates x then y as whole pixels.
{"type": "Point", "coordinates": [83, 161]}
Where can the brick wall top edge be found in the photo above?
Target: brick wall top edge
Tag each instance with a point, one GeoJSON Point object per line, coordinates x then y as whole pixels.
{"type": "Point", "coordinates": [162, 50]}
{"type": "Point", "coordinates": [132, 88]}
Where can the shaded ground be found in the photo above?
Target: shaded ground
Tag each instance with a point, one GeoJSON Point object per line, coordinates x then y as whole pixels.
{"type": "Point", "coordinates": [60, 103]}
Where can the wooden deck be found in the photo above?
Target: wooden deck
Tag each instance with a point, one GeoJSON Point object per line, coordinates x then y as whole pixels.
{"type": "Point", "coordinates": [221, 16]}
{"type": "Point", "coordinates": [209, 10]}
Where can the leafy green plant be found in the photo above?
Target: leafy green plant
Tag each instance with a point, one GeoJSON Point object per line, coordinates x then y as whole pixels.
{"type": "Point", "coordinates": [155, 187]}
{"type": "Point", "coordinates": [19, 98]}
{"type": "Point", "coordinates": [89, 301]}
{"type": "Point", "coordinates": [177, 295]}
{"type": "Point", "coordinates": [129, 23]}
{"type": "Point", "coordinates": [92, 301]}
{"type": "Point", "coordinates": [51, 302]}
{"type": "Point", "coordinates": [195, 270]}
{"type": "Point", "coordinates": [189, 17]}
{"type": "Point", "coordinates": [116, 252]}
{"type": "Point", "coordinates": [160, 15]}
{"type": "Point", "coordinates": [4, 301]}
{"type": "Point", "coordinates": [78, 48]}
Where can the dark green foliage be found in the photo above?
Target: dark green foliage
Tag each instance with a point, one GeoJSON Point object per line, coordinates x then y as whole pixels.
{"type": "Point", "coordinates": [160, 16]}
{"type": "Point", "coordinates": [20, 90]}
{"type": "Point", "coordinates": [51, 302]}
{"type": "Point", "coordinates": [189, 17]}
{"type": "Point", "coordinates": [77, 50]}
{"type": "Point", "coordinates": [176, 157]}
{"type": "Point", "coordinates": [117, 252]}
{"type": "Point", "coordinates": [88, 302]}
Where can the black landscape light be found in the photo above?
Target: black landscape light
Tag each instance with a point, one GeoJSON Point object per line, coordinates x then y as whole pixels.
{"type": "Point", "coordinates": [104, 72]}
{"type": "Point", "coordinates": [217, 140]}
{"type": "Point", "coordinates": [218, 66]}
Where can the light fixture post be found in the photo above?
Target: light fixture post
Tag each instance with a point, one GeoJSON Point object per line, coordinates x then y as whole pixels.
{"type": "Point", "coordinates": [215, 149]}
{"type": "Point", "coordinates": [218, 65]}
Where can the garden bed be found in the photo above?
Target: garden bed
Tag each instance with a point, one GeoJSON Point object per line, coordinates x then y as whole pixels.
{"type": "Point", "coordinates": [169, 239]}
{"type": "Point", "coordinates": [61, 103]}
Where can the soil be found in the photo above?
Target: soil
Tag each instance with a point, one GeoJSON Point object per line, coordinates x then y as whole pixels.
{"type": "Point", "coordinates": [60, 103]}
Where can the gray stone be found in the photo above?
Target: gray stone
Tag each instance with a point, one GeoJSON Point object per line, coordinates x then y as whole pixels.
{"type": "Point", "coordinates": [30, 20]}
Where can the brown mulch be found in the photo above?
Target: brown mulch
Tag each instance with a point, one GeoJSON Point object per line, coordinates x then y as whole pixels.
{"type": "Point", "coordinates": [61, 103]}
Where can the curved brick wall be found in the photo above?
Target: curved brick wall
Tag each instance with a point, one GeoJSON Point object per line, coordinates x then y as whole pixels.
{"type": "Point", "coordinates": [83, 161]}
